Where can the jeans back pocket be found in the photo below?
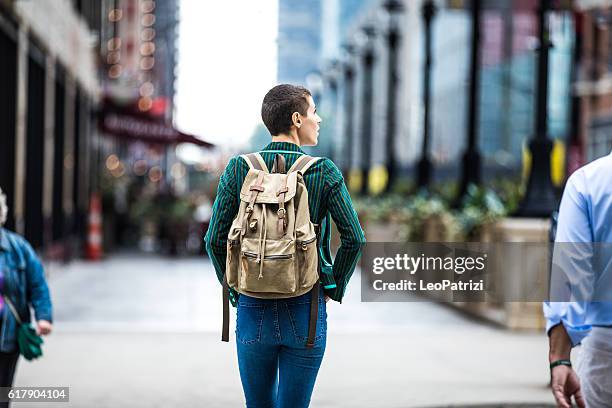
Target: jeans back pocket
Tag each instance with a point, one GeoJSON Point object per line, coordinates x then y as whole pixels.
{"type": "Point", "coordinates": [249, 322]}
{"type": "Point", "coordinates": [299, 316]}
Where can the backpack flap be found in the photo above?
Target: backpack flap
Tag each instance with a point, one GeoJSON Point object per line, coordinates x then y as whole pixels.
{"type": "Point", "coordinates": [272, 184]}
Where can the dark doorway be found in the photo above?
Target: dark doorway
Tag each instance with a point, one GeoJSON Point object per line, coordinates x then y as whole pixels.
{"type": "Point", "coordinates": [59, 132]}
{"type": "Point", "coordinates": [78, 161]}
{"type": "Point", "coordinates": [8, 102]}
{"type": "Point", "coordinates": [35, 147]}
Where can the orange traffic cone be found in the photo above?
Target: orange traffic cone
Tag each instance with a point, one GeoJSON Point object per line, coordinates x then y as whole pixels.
{"type": "Point", "coordinates": [94, 231]}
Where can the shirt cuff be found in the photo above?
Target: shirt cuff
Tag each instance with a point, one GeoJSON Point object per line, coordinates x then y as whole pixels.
{"type": "Point", "coordinates": [233, 297]}
{"type": "Point", "coordinates": [575, 334]}
{"type": "Point", "coordinates": [43, 316]}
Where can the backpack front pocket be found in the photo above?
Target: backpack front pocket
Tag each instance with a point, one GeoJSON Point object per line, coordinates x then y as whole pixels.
{"type": "Point", "coordinates": [274, 272]}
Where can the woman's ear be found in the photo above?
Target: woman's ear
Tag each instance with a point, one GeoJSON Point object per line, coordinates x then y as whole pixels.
{"type": "Point", "coordinates": [295, 118]}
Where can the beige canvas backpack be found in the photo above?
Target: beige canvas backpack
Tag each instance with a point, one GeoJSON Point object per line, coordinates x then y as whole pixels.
{"type": "Point", "coordinates": [272, 244]}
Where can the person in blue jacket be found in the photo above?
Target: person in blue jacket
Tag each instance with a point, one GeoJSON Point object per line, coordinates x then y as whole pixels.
{"type": "Point", "coordinates": [22, 280]}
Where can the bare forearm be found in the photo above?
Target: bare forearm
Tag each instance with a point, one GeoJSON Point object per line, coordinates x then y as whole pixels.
{"type": "Point", "coordinates": [559, 343]}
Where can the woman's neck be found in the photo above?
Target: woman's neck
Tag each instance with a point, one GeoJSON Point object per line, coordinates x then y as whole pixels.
{"type": "Point", "coordinates": [290, 138]}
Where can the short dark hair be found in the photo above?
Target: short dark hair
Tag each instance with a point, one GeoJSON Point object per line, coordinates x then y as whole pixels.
{"type": "Point", "coordinates": [279, 104]}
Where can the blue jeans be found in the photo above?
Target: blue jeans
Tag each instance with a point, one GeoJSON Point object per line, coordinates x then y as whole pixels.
{"type": "Point", "coordinates": [276, 368]}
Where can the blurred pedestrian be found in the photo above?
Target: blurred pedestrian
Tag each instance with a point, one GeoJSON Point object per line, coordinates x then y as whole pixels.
{"type": "Point", "coordinates": [277, 368]}
{"type": "Point", "coordinates": [23, 286]}
{"type": "Point", "coordinates": [585, 218]}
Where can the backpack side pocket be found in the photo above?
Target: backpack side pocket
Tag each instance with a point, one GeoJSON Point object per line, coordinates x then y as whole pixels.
{"type": "Point", "coordinates": [306, 255]}
{"type": "Point", "coordinates": [232, 265]}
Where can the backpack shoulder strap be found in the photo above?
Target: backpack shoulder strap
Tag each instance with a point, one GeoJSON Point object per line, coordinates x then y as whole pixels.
{"type": "Point", "coordinates": [255, 161]}
{"type": "Point", "coordinates": [303, 163]}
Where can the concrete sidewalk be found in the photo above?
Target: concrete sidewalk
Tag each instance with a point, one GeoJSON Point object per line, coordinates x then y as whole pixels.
{"type": "Point", "coordinates": [144, 332]}
{"type": "Point", "coordinates": [393, 369]}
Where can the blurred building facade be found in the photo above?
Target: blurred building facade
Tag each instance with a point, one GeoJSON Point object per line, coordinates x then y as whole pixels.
{"type": "Point", "coordinates": [50, 89]}
{"type": "Point", "coordinates": [309, 40]}
{"type": "Point", "coordinates": [299, 40]}
{"type": "Point", "coordinates": [592, 87]}
{"type": "Point", "coordinates": [372, 67]}
{"type": "Point", "coordinates": [139, 55]}
{"type": "Point", "coordinates": [87, 107]}
{"type": "Point", "coordinates": [508, 83]}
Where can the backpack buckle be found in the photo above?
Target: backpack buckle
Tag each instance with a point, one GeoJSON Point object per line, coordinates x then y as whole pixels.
{"type": "Point", "coordinates": [281, 212]}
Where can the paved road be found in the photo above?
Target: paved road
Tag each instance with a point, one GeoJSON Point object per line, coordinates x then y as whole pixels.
{"type": "Point", "coordinates": [143, 331]}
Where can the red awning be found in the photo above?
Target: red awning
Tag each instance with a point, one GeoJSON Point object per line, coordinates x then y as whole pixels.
{"type": "Point", "coordinates": [128, 123]}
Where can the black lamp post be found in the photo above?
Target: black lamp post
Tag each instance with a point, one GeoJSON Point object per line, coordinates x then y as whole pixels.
{"type": "Point", "coordinates": [333, 92]}
{"type": "Point", "coordinates": [470, 166]}
{"type": "Point", "coordinates": [367, 107]}
{"type": "Point", "coordinates": [424, 165]}
{"type": "Point", "coordinates": [349, 104]}
{"type": "Point", "coordinates": [574, 140]}
{"type": "Point", "coordinates": [393, 7]}
{"type": "Point", "coordinates": [540, 198]}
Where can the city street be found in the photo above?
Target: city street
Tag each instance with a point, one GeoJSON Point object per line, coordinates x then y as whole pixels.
{"type": "Point", "coordinates": [144, 331]}
{"type": "Point", "coordinates": [130, 127]}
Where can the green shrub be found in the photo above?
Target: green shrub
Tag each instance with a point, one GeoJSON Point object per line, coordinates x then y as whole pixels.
{"type": "Point", "coordinates": [428, 209]}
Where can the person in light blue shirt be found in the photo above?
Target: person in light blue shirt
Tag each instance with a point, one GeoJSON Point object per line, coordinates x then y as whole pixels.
{"type": "Point", "coordinates": [584, 226]}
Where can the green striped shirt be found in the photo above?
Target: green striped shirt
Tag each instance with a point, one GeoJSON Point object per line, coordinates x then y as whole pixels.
{"type": "Point", "coordinates": [327, 196]}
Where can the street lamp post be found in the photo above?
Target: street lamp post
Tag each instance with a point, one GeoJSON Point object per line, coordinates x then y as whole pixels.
{"type": "Point", "coordinates": [540, 198]}
{"type": "Point", "coordinates": [393, 7]}
{"type": "Point", "coordinates": [470, 167]}
{"type": "Point", "coordinates": [332, 84]}
{"type": "Point", "coordinates": [367, 107]}
{"type": "Point", "coordinates": [424, 165]}
{"type": "Point", "coordinates": [349, 104]}
{"type": "Point", "coordinates": [574, 142]}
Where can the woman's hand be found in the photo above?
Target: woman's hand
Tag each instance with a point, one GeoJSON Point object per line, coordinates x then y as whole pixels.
{"type": "Point", "coordinates": [327, 298]}
{"type": "Point", "coordinates": [43, 327]}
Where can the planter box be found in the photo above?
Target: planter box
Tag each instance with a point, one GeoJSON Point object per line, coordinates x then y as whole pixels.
{"type": "Point", "coordinates": [517, 275]}
{"type": "Point", "coordinates": [382, 231]}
